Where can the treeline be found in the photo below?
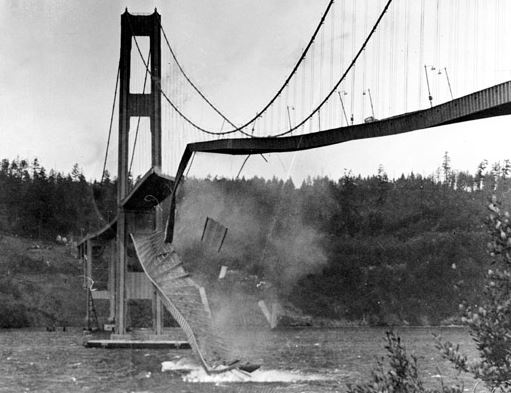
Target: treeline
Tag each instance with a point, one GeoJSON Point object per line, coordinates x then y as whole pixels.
{"type": "Point", "coordinates": [41, 204]}
{"type": "Point", "coordinates": [368, 249]}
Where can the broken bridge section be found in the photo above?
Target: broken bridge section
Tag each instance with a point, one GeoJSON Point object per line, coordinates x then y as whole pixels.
{"type": "Point", "coordinates": [184, 299]}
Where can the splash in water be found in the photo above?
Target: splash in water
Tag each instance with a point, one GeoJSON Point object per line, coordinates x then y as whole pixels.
{"type": "Point", "coordinates": [195, 373]}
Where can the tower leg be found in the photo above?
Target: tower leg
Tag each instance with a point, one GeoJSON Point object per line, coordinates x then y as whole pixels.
{"type": "Point", "coordinates": [135, 105]}
{"type": "Point", "coordinates": [157, 314]}
{"type": "Point", "coordinates": [111, 281]}
{"type": "Point", "coordinates": [87, 278]}
{"type": "Point", "coordinates": [120, 314]}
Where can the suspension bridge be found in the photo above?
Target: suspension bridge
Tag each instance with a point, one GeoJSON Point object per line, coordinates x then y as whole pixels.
{"type": "Point", "coordinates": [397, 68]}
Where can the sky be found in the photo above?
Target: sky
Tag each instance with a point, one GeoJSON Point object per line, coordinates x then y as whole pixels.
{"type": "Point", "coordinates": [58, 64]}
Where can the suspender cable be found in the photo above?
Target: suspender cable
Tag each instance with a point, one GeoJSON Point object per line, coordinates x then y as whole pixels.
{"type": "Point", "coordinates": [311, 96]}
{"type": "Point", "coordinates": [270, 102]}
{"type": "Point", "coordinates": [304, 83]}
{"type": "Point", "coordinates": [393, 84]}
{"type": "Point", "coordinates": [331, 80]}
{"type": "Point", "coordinates": [353, 43]}
{"type": "Point", "coordinates": [174, 106]}
{"type": "Point", "coordinates": [138, 121]}
{"type": "Point", "coordinates": [375, 71]}
{"type": "Point", "coordinates": [364, 62]}
{"type": "Point", "coordinates": [332, 91]}
{"type": "Point", "coordinates": [421, 50]}
{"type": "Point", "coordinates": [321, 57]}
{"type": "Point", "coordinates": [407, 30]}
{"type": "Point", "coordinates": [437, 49]}
{"type": "Point", "coordinates": [476, 42]}
{"type": "Point", "coordinates": [341, 56]}
{"type": "Point", "coordinates": [353, 61]}
{"type": "Point", "coordinates": [185, 75]}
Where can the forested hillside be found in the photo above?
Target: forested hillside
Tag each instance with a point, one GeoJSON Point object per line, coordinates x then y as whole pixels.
{"type": "Point", "coordinates": [373, 249]}
{"type": "Point", "coordinates": [40, 204]}
{"type": "Point", "coordinates": [364, 249]}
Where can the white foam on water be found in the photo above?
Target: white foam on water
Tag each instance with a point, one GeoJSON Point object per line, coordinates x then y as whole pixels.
{"type": "Point", "coordinates": [195, 373]}
{"type": "Point", "coordinates": [182, 364]}
{"type": "Point", "coordinates": [200, 375]}
{"type": "Point", "coordinates": [258, 376]}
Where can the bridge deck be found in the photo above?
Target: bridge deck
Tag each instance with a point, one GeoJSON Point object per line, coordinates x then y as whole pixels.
{"type": "Point", "coordinates": [185, 299]}
{"type": "Point", "coordinates": [490, 102]}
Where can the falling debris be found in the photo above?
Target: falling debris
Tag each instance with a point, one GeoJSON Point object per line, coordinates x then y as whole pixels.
{"type": "Point", "coordinates": [264, 309]}
{"type": "Point", "coordinates": [274, 315]}
{"type": "Point", "coordinates": [185, 300]}
{"type": "Point", "coordinates": [223, 272]}
{"type": "Point", "coordinates": [271, 317]}
{"type": "Point", "coordinates": [213, 234]}
{"type": "Point", "coordinates": [205, 301]}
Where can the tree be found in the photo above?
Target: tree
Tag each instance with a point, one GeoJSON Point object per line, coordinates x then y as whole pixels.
{"type": "Point", "coordinates": [480, 174]}
{"type": "Point", "coordinates": [76, 172]}
{"type": "Point", "coordinates": [36, 167]}
{"type": "Point", "coordinates": [490, 322]}
{"type": "Point", "coordinates": [446, 167]}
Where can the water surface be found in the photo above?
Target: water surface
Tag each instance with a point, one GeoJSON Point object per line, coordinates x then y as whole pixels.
{"type": "Point", "coordinates": [296, 360]}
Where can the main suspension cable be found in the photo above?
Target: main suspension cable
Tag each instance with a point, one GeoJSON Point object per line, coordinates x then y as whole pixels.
{"type": "Point", "coordinates": [270, 102]}
{"type": "Point", "coordinates": [353, 61]}
{"type": "Point", "coordinates": [240, 129]}
{"type": "Point", "coordinates": [174, 106]}
{"type": "Point", "coordinates": [111, 121]}
{"type": "Point", "coordinates": [199, 92]}
{"type": "Point", "coordinates": [158, 83]}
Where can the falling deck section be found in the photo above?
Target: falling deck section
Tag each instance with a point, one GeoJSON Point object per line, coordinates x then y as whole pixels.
{"type": "Point", "coordinates": [184, 299]}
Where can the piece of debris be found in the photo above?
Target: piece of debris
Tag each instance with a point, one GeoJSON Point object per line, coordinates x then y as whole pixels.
{"type": "Point", "coordinates": [213, 234]}
{"type": "Point", "coordinates": [223, 272]}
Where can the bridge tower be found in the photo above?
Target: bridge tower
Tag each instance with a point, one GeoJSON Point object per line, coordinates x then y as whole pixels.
{"type": "Point", "coordinates": [135, 105]}
{"type": "Point", "coordinates": [112, 271]}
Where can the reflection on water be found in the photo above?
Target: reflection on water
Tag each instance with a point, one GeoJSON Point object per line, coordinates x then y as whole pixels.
{"type": "Point", "coordinates": [312, 360]}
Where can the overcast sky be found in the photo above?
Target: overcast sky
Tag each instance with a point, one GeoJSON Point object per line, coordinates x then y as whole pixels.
{"type": "Point", "coordinates": [58, 63]}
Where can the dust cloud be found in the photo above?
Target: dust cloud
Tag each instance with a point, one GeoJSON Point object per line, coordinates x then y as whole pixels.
{"type": "Point", "coordinates": [266, 251]}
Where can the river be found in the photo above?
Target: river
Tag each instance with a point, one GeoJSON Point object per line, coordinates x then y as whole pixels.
{"type": "Point", "coordinates": [296, 360]}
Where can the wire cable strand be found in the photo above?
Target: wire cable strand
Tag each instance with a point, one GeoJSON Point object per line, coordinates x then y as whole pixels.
{"type": "Point", "coordinates": [190, 82]}
{"type": "Point", "coordinates": [353, 61]}
{"type": "Point", "coordinates": [270, 102]}
{"type": "Point", "coordinates": [138, 120]}
{"type": "Point", "coordinates": [111, 122]}
{"type": "Point", "coordinates": [171, 103]}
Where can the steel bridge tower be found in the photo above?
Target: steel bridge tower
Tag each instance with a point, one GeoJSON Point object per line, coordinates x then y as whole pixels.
{"type": "Point", "coordinates": [135, 105]}
{"type": "Point", "coordinates": [111, 246]}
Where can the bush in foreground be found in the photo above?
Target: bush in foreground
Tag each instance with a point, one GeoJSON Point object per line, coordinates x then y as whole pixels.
{"type": "Point", "coordinates": [402, 375]}
{"type": "Point", "coordinates": [490, 322]}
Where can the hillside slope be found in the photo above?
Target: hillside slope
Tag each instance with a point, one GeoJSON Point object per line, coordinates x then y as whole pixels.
{"type": "Point", "coordinates": [40, 284]}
